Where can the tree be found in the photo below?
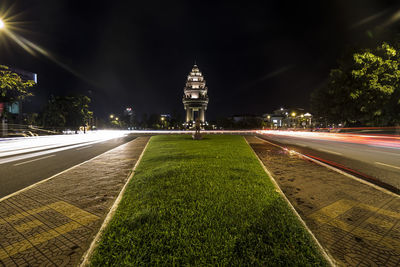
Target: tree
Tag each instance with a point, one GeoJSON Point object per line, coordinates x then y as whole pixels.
{"type": "Point", "coordinates": [67, 111]}
{"type": "Point", "coordinates": [362, 91]}
{"type": "Point", "coordinates": [54, 114]}
{"type": "Point", "coordinates": [78, 113]}
{"type": "Point", "coordinates": [12, 86]}
{"type": "Point", "coordinates": [154, 121]}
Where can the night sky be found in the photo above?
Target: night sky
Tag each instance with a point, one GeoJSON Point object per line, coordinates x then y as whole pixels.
{"type": "Point", "coordinates": [256, 55]}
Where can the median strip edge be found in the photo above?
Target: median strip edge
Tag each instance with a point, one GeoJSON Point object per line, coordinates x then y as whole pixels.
{"type": "Point", "coordinates": [85, 260]}
{"type": "Point", "coordinates": [324, 253]}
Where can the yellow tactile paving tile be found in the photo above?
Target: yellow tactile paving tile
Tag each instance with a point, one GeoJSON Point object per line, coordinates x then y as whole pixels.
{"type": "Point", "coordinates": [72, 212]}
{"type": "Point", "coordinates": [3, 254]}
{"type": "Point", "coordinates": [385, 224]}
{"type": "Point", "coordinates": [27, 226]}
{"type": "Point", "coordinates": [332, 211]}
{"type": "Point", "coordinates": [78, 216]}
{"type": "Point", "coordinates": [389, 213]}
{"type": "Point", "coordinates": [328, 215]}
{"type": "Point", "coordinates": [24, 214]}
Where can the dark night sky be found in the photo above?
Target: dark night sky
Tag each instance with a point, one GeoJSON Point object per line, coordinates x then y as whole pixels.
{"type": "Point", "coordinates": [256, 55]}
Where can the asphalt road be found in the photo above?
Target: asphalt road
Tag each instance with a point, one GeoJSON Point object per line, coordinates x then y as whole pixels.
{"type": "Point", "coordinates": [20, 170]}
{"type": "Point", "coordinates": [373, 161]}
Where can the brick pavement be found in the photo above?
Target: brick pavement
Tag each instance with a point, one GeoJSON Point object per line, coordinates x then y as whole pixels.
{"type": "Point", "coordinates": [357, 224]}
{"type": "Point", "coordinates": [53, 223]}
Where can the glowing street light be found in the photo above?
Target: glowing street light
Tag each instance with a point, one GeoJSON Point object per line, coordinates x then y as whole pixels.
{"type": "Point", "coordinates": [294, 114]}
{"type": "Point", "coordinates": [2, 25]}
{"type": "Point", "coordinates": [111, 116]}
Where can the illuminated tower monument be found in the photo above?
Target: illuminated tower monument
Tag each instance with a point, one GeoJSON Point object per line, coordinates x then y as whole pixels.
{"type": "Point", "coordinates": [195, 98]}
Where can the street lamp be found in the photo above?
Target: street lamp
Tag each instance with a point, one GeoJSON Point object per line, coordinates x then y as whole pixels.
{"type": "Point", "coordinates": [111, 116]}
{"type": "Point", "coordinates": [293, 119]}
{"type": "Point", "coordinates": [2, 25]}
{"type": "Point", "coordinates": [162, 122]}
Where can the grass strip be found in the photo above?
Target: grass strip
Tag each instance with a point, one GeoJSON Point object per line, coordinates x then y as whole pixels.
{"type": "Point", "coordinates": [206, 202]}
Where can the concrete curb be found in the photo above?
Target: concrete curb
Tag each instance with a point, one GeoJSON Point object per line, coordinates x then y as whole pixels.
{"type": "Point", "coordinates": [324, 253]}
{"type": "Point", "coordinates": [85, 260]}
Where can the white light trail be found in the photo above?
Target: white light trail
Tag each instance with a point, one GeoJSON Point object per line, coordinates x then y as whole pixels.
{"type": "Point", "coordinates": [367, 139]}
{"type": "Point", "coordinates": [29, 161]}
{"type": "Point", "coordinates": [387, 165]}
{"type": "Point", "coordinates": [23, 148]}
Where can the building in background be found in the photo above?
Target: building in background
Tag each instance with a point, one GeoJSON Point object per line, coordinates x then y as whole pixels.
{"type": "Point", "coordinates": [289, 118]}
{"type": "Point", "coordinates": [11, 112]}
{"type": "Point", "coordinates": [14, 109]}
{"type": "Point", "coordinates": [195, 98]}
{"type": "Point", "coordinates": [25, 75]}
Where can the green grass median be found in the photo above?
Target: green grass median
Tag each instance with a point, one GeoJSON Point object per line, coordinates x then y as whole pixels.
{"type": "Point", "coordinates": [205, 202]}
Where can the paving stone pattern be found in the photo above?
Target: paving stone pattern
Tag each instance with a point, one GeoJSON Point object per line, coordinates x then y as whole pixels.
{"type": "Point", "coordinates": [53, 223]}
{"type": "Point", "coordinates": [357, 224]}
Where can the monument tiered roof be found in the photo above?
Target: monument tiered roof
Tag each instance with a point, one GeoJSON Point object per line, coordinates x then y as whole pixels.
{"type": "Point", "coordinates": [195, 80]}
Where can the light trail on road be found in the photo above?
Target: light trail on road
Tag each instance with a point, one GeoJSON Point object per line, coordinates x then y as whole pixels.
{"type": "Point", "coordinates": [27, 147]}
{"type": "Point", "coordinates": [372, 157]}
{"type": "Point", "coordinates": [365, 139]}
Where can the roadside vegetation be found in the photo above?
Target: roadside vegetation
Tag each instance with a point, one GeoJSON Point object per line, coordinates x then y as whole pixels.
{"type": "Point", "coordinates": [363, 91]}
{"type": "Point", "coordinates": [206, 202]}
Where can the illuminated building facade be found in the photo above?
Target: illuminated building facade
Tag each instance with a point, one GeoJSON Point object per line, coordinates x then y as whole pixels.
{"type": "Point", "coordinates": [195, 98]}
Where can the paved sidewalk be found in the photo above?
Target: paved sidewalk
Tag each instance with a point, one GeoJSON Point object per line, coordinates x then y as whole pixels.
{"type": "Point", "coordinates": [53, 223]}
{"type": "Point", "coordinates": [356, 223]}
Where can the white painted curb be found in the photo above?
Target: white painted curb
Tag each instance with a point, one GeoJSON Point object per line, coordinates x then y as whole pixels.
{"type": "Point", "coordinates": [324, 253]}
{"type": "Point", "coordinates": [85, 260]}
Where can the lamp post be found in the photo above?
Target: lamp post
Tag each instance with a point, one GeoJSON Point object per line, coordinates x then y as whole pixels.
{"type": "Point", "coordinates": [162, 122]}
{"type": "Point", "coordinates": [3, 120]}
{"type": "Point", "coordinates": [294, 119]}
